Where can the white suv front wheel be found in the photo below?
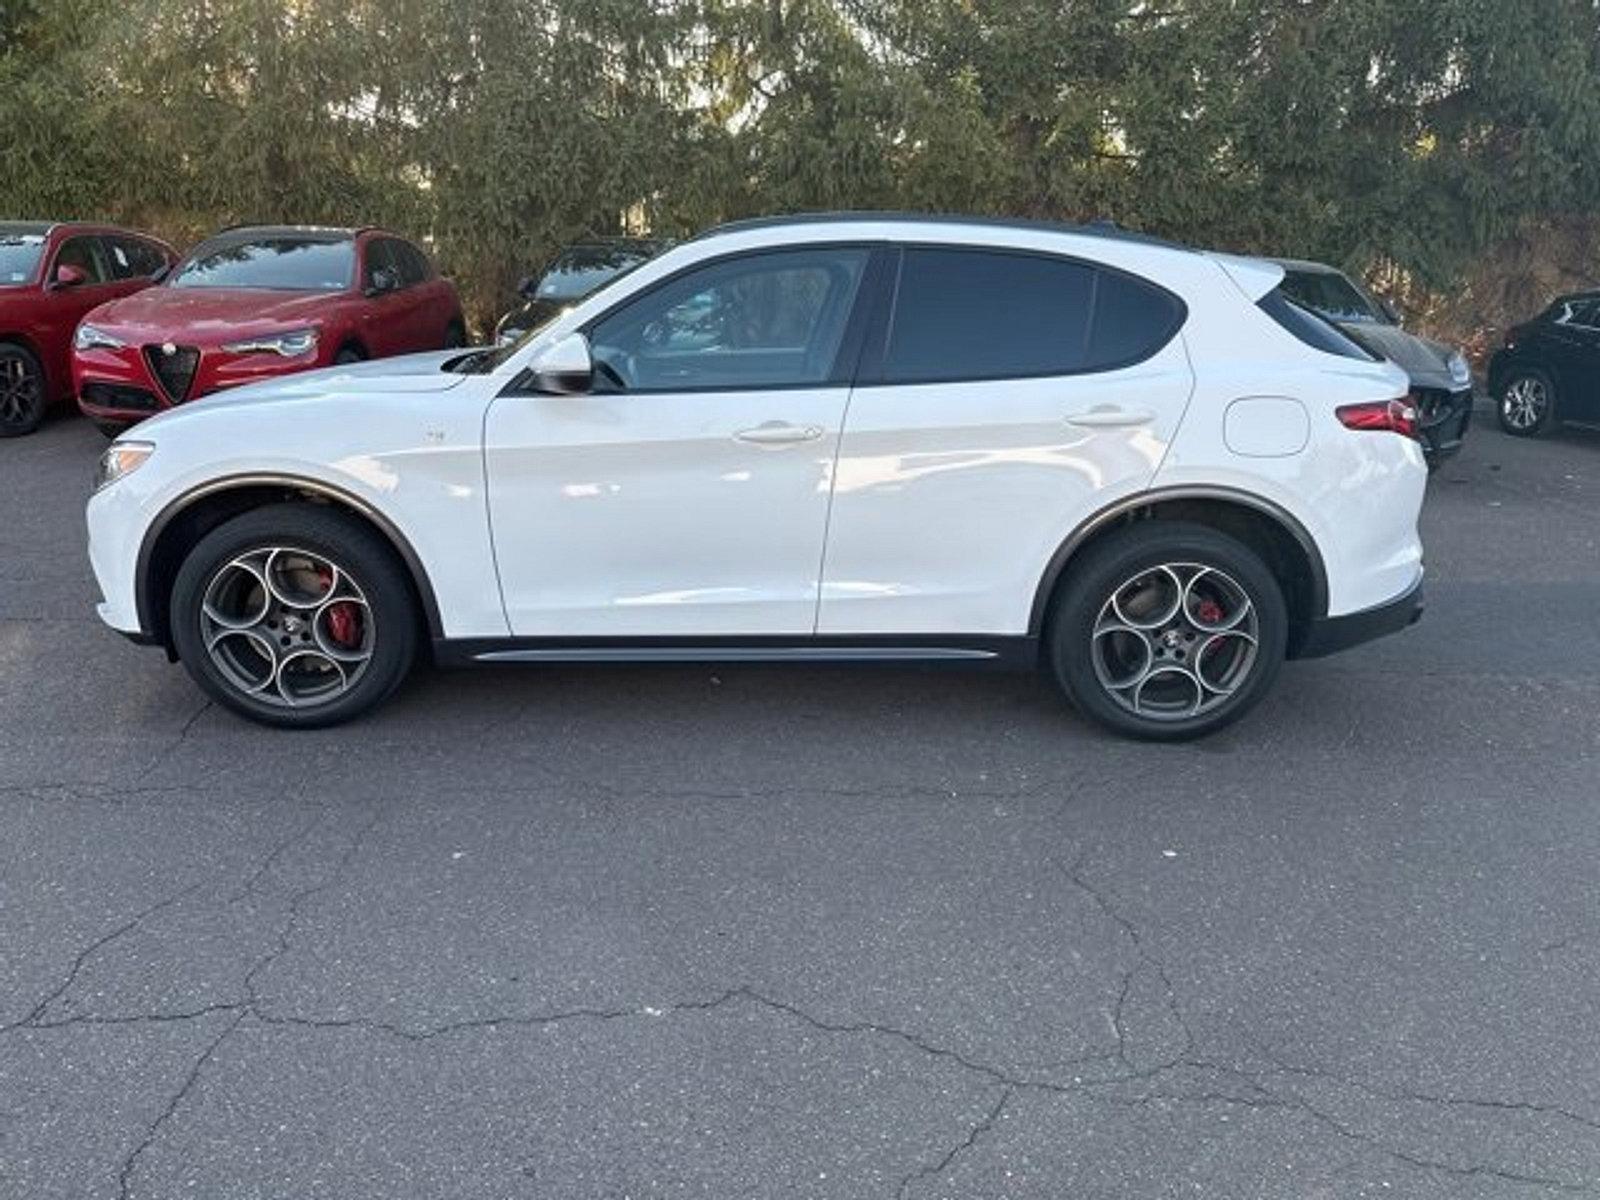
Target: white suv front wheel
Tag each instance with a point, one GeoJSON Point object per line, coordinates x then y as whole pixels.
{"type": "Point", "coordinates": [1168, 631]}
{"type": "Point", "coordinates": [294, 615]}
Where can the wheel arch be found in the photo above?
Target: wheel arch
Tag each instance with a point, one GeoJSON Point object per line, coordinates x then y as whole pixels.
{"type": "Point", "coordinates": [183, 522]}
{"type": "Point", "coordinates": [1284, 543]}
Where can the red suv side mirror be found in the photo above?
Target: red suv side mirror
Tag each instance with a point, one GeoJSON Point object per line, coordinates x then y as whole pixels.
{"type": "Point", "coordinates": [69, 276]}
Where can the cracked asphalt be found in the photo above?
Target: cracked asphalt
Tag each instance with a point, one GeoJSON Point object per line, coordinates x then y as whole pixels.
{"type": "Point", "coordinates": [816, 933]}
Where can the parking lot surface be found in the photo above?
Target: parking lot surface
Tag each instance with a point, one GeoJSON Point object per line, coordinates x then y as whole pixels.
{"type": "Point", "coordinates": [690, 932]}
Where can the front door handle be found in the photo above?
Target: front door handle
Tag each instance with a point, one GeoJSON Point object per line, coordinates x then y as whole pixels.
{"type": "Point", "coordinates": [1111, 418]}
{"type": "Point", "coordinates": [779, 433]}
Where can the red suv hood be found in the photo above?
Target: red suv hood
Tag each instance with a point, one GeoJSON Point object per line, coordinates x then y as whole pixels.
{"type": "Point", "coordinates": [209, 316]}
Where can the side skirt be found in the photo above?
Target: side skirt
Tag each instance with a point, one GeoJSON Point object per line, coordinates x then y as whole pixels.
{"type": "Point", "coordinates": [1007, 653]}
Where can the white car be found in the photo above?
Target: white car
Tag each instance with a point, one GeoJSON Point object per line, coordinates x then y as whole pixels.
{"type": "Point", "coordinates": [833, 438]}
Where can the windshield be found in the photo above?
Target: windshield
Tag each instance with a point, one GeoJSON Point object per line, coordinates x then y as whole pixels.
{"type": "Point", "coordinates": [581, 270]}
{"type": "Point", "coordinates": [1331, 295]}
{"type": "Point", "coordinates": [19, 256]}
{"type": "Point", "coordinates": [279, 264]}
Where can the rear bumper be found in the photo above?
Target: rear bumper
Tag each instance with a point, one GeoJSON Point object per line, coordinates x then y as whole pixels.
{"type": "Point", "coordinates": [1445, 418]}
{"type": "Point", "coordinates": [1330, 635]}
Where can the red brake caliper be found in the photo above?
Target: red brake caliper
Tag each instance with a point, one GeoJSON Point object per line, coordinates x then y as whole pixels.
{"type": "Point", "coordinates": [344, 618]}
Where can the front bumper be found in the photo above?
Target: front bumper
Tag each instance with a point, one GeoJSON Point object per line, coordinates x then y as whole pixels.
{"type": "Point", "coordinates": [119, 387]}
{"type": "Point", "coordinates": [1330, 635]}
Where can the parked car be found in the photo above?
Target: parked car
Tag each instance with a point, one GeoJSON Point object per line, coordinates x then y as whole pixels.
{"type": "Point", "coordinates": [577, 272]}
{"type": "Point", "coordinates": [253, 303]}
{"type": "Point", "coordinates": [858, 438]}
{"type": "Point", "coordinates": [1548, 371]}
{"type": "Point", "coordinates": [50, 275]}
{"type": "Point", "coordinates": [1441, 379]}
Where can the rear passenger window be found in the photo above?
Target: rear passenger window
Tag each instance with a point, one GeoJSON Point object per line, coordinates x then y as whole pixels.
{"type": "Point", "coordinates": [977, 314]}
{"type": "Point", "coordinates": [974, 314]}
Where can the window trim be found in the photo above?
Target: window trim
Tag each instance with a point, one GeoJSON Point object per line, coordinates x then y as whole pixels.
{"type": "Point", "coordinates": [875, 361]}
{"type": "Point", "coordinates": [870, 295]}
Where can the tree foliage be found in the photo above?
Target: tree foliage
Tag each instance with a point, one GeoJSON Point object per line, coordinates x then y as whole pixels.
{"type": "Point", "coordinates": [1399, 138]}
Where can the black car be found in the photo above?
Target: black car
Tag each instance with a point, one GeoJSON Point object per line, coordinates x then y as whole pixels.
{"type": "Point", "coordinates": [1441, 380]}
{"type": "Point", "coordinates": [1548, 371]}
{"type": "Point", "coordinates": [579, 270]}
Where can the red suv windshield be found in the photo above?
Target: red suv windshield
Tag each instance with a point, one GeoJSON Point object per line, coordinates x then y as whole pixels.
{"type": "Point", "coordinates": [19, 255]}
{"type": "Point", "coordinates": [281, 264]}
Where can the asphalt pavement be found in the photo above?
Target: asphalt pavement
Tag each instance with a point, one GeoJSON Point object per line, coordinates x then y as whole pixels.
{"type": "Point", "coordinates": [750, 932]}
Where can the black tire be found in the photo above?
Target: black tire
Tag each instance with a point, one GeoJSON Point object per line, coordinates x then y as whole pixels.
{"type": "Point", "coordinates": [1184, 564]}
{"type": "Point", "coordinates": [455, 337]}
{"type": "Point", "coordinates": [24, 392]}
{"type": "Point", "coordinates": [348, 355]}
{"type": "Point", "coordinates": [363, 560]}
{"type": "Point", "coordinates": [1527, 403]}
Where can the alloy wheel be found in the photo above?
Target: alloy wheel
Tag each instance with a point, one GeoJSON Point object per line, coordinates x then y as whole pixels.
{"type": "Point", "coordinates": [1175, 641]}
{"type": "Point", "coordinates": [21, 390]}
{"type": "Point", "coordinates": [287, 627]}
{"type": "Point", "coordinates": [1525, 403]}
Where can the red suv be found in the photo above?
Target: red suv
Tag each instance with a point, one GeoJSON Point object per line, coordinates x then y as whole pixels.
{"type": "Point", "coordinates": [254, 303]}
{"type": "Point", "coordinates": [50, 275]}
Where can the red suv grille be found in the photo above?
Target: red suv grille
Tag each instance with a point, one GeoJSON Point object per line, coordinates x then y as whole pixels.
{"type": "Point", "coordinates": [175, 371]}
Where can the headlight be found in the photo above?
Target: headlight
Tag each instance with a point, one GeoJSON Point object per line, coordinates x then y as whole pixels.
{"type": "Point", "coordinates": [120, 459]}
{"type": "Point", "coordinates": [290, 345]}
{"type": "Point", "coordinates": [1460, 371]}
{"type": "Point", "coordinates": [90, 338]}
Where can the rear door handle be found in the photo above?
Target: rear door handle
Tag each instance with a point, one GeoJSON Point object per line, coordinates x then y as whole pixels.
{"type": "Point", "coordinates": [1111, 418]}
{"type": "Point", "coordinates": [779, 433]}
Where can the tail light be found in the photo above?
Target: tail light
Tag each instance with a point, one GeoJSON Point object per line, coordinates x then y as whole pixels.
{"type": "Point", "coordinates": [1385, 416]}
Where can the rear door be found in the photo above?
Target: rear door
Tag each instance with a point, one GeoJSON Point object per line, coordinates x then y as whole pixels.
{"type": "Point", "coordinates": [1014, 394]}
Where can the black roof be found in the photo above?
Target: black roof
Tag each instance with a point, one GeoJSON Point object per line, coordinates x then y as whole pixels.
{"type": "Point", "coordinates": [1105, 229]}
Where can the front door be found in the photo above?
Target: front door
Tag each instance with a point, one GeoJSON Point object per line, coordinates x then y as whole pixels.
{"type": "Point", "coordinates": [687, 496]}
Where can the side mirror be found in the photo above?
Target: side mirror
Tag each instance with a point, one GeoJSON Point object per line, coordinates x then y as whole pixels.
{"type": "Point", "coordinates": [564, 368]}
{"type": "Point", "coordinates": [383, 280]}
{"type": "Point", "coordinates": [69, 276]}
{"type": "Point", "coordinates": [527, 287]}
{"type": "Point", "coordinates": [1389, 310]}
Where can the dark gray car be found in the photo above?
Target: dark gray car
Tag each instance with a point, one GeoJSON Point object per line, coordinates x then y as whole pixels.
{"type": "Point", "coordinates": [1441, 380]}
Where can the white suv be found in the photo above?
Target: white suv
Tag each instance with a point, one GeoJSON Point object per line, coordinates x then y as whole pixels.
{"type": "Point", "coordinates": [835, 438]}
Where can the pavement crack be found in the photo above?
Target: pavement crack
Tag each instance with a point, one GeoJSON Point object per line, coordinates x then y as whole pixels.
{"type": "Point", "coordinates": [974, 1135]}
{"type": "Point", "coordinates": [131, 1163]}
{"type": "Point", "coordinates": [95, 947]}
{"type": "Point", "coordinates": [286, 931]}
{"type": "Point", "coordinates": [1147, 960]}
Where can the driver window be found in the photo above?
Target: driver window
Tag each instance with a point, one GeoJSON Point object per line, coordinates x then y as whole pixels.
{"type": "Point", "coordinates": [82, 252]}
{"type": "Point", "coordinates": [380, 257]}
{"type": "Point", "coordinates": [766, 320]}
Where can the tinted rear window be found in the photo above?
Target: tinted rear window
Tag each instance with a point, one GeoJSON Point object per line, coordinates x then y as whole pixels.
{"type": "Point", "coordinates": [966, 314]}
{"type": "Point", "coordinates": [1308, 327]}
{"type": "Point", "coordinates": [287, 264]}
{"type": "Point", "coordinates": [979, 314]}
